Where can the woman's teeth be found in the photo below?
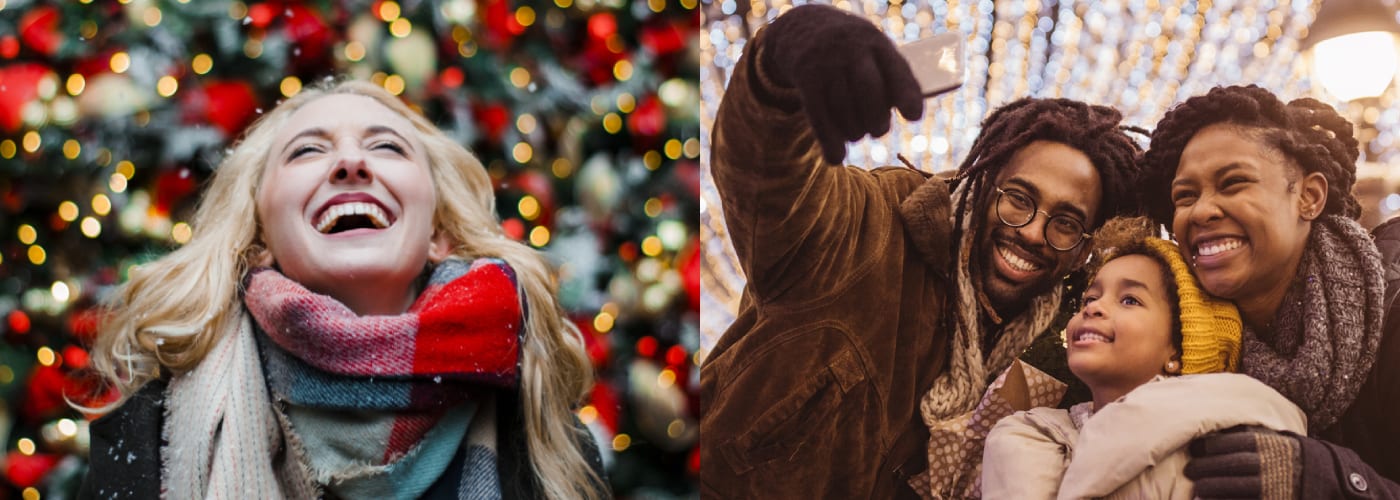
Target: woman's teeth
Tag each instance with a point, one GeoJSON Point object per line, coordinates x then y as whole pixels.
{"type": "Point", "coordinates": [1016, 263]}
{"type": "Point", "coordinates": [371, 211]}
{"type": "Point", "coordinates": [1218, 246]}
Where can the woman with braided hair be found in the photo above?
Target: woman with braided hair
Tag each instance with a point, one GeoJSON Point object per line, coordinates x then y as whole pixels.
{"type": "Point", "coordinates": [877, 301]}
{"type": "Point", "coordinates": [348, 321]}
{"type": "Point", "coordinates": [1258, 193]}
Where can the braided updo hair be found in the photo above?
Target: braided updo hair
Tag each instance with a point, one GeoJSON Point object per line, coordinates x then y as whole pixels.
{"type": "Point", "coordinates": [1094, 130]}
{"type": "Point", "coordinates": [1307, 132]}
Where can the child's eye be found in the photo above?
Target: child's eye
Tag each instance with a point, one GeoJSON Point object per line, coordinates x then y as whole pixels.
{"type": "Point", "coordinates": [1129, 300]}
{"type": "Point", "coordinates": [1089, 298]}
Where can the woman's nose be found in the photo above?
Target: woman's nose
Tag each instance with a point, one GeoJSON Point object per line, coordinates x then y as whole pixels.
{"type": "Point", "coordinates": [350, 166]}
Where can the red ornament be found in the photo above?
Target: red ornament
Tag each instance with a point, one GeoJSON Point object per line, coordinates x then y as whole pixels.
{"type": "Point", "coordinates": [690, 275]}
{"type": "Point", "coordinates": [493, 119]}
{"type": "Point", "coordinates": [25, 471]}
{"type": "Point", "coordinates": [501, 25]}
{"type": "Point", "coordinates": [83, 325]}
{"type": "Point", "coordinates": [39, 29]}
{"type": "Point", "coordinates": [663, 39]}
{"type": "Point", "coordinates": [260, 15]}
{"type": "Point", "coordinates": [21, 86]}
{"type": "Point", "coordinates": [172, 186]}
{"type": "Point", "coordinates": [646, 347]}
{"type": "Point", "coordinates": [513, 228]}
{"type": "Point", "coordinates": [604, 399]}
{"type": "Point", "coordinates": [75, 357]}
{"type": "Point", "coordinates": [311, 37]}
{"type": "Point", "coordinates": [596, 344]}
{"type": "Point", "coordinates": [19, 321]}
{"type": "Point", "coordinates": [647, 122]}
{"type": "Point", "coordinates": [229, 105]}
{"type": "Point", "coordinates": [9, 47]}
{"type": "Point", "coordinates": [43, 396]}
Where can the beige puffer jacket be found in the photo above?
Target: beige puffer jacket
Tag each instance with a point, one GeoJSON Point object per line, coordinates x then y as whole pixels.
{"type": "Point", "coordinates": [1132, 448]}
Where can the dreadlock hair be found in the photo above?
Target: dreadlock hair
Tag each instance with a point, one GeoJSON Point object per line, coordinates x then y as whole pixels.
{"type": "Point", "coordinates": [1307, 132]}
{"type": "Point", "coordinates": [1094, 130]}
{"type": "Point", "coordinates": [1124, 236]}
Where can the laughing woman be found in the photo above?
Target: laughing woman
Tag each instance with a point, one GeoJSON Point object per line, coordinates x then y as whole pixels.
{"type": "Point", "coordinates": [348, 321]}
{"type": "Point", "coordinates": [1258, 193]}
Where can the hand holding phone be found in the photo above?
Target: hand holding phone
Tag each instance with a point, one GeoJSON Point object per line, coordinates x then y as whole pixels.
{"type": "Point", "coordinates": [938, 62]}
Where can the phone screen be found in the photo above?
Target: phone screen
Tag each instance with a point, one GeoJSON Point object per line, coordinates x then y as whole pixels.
{"type": "Point", "coordinates": [938, 62]}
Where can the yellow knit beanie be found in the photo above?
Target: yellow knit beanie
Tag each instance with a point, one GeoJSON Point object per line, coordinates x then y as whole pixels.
{"type": "Point", "coordinates": [1210, 327]}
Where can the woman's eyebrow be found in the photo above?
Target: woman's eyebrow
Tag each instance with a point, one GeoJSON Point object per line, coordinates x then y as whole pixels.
{"type": "Point", "coordinates": [381, 129]}
{"type": "Point", "coordinates": [313, 131]}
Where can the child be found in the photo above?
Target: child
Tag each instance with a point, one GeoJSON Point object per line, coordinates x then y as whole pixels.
{"type": "Point", "coordinates": [348, 321]}
{"type": "Point", "coordinates": [1144, 323]}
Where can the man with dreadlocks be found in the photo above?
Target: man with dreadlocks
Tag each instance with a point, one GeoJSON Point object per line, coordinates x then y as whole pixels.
{"type": "Point", "coordinates": [877, 300]}
{"type": "Point", "coordinates": [1258, 193]}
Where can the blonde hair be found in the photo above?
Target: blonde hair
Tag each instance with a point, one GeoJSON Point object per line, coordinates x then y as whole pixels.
{"type": "Point", "coordinates": [170, 312]}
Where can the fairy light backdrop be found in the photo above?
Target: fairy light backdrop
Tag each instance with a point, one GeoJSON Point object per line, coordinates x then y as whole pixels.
{"type": "Point", "coordinates": [1141, 56]}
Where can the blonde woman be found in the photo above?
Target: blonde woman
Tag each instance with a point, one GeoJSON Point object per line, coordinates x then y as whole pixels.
{"type": "Point", "coordinates": [347, 321]}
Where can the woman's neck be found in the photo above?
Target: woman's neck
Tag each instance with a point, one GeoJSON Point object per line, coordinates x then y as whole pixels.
{"type": "Point", "coordinates": [1258, 310]}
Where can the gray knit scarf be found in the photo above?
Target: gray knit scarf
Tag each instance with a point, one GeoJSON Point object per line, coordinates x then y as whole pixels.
{"type": "Point", "coordinates": [1326, 332]}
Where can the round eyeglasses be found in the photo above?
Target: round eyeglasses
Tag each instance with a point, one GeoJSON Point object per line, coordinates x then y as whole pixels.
{"type": "Point", "coordinates": [1017, 209]}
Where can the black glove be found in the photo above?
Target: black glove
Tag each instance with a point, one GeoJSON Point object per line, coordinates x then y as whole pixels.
{"type": "Point", "coordinates": [1245, 462]}
{"type": "Point", "coordinates": [847, 73]}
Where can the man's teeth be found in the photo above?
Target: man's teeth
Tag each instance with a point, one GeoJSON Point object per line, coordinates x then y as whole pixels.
{"type": "Point", "coordinates": [1017, 263]}
{"type": "Point", "coordinates": [370, 210]}
{"type": "Point", "coordinates": [1218, 246]}
{"type": "Point", "coordinates": [1091, 336]}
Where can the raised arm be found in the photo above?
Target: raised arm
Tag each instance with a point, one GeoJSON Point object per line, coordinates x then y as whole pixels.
{"type": "Point", "coordinates": [814, 79]}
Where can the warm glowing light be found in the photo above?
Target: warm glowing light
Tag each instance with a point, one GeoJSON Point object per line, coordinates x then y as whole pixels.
{"type": "Point", "coordinates": [66, 427]}
{"type": "Point", "coordinates": [564, 4]}
{"type": "Point", "coordinates": [525, 16]}
{"type": "Point", "coordinates": [652, 160]}
{"type": "Point", "coordinates": [37, 255]}
{"type": "Point", "coordinates": [389, 11]}
{"type": "Point", "coordinates": [181, 233]}
{"type": "Point", "coordinates": [525, 123]}
{"type": "Point", "coordinates": [673, 149]}
{"type": "Point", "coordinates": [27, 234]}
{"type": "Point", "coordinates": [290, 86]}
{"type": "Point", "coordinates": [152, 16]}
{"type": "Point", "coordinates": [626, 103]}
{"type": "Point", "coordinates": [68, 211]}
{"type": "Point", "coordinates": [60, 293]}
{"type": "Point", "coordinates": [394, 84]}
{"type": "Point", "coordinates": [539, 236]}
{"type": "Point", "coordinates": [26, 447]}
{"type": "Point", "coordinates": [666, 378]}
{"type": "Point", "coordinates": [71, 149]}
{"type": "Point", "coordinates": [31, 493]}
{"type": "Point", "coordinates": [46, 356]}
{"type": "Point", "coordinates": [621, 442]}
{"type": "Point", "coordinates": [529, 207]}
{"type": "Point", "coordinates": [101, 204]}
{"type": "Point", "coordinates": [676, 428]}
{"type": "Point", "coordinates": [253, 48]}
{"type": "Point", "coordinates": [75, 84]}
{"type": "Point", "coordinates": [354, 51]}
{"type": "Point", "coordinates": [400, 28]}
{"type": "Point", "coordinates": [32, 141]}
{"type": "Point", "coordinates": [120, 62]}
{"type": "Point", "coordinates": [167, 86]}
{"type": "Point", "coordinates": [91, 227]}
{"type": "Point", "coordinates": [612, 123]}
{"type": "Point", "coordinates": [622, 70]}
{"type": "Point", "coordinates": [692, 148]}
{"type": "Point", "coordinates": [651, 246]}
{"type": "Point", "coordinates": [561, 168]}
{"type": "Point", "coordinates": [603, 322]}
{"type": "Point", "coordinates": [7, 148]}
{"type": "Point", "coordinates": [587, 414]}
{"type": "Point", "coordinates": [519, 77]}
{"type": "Point", "coordinates": [522, 152]}
{"type": "Point", "coordinates": [117, 182]}
{"type": "Point", "coordinates": [1355, 65]}
{"type": "Point", "coordinates": [652, 207]}
{"type": "Point", "coordinates": [656, 5]}
{"type": "Point", "coordinates": [202, 64]}
{"type": "Point", "coordinates": [126, 169]}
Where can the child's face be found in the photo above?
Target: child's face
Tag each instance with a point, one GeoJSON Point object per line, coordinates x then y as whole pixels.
{"type": "Point", "coordinates": [1122, 336]}
{"type": "Point", "coordinates": [347, 201]}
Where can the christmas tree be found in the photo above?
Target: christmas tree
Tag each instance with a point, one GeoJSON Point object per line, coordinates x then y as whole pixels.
{"type": "Point", "coordinates": [114, 113]}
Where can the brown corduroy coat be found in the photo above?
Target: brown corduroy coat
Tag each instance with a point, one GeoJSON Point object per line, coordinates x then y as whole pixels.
{"type": "Point", "coordinates": [813, 392]}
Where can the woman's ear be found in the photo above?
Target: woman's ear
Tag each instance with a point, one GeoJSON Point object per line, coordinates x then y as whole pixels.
{"type": "Point", "coordinates": [439, 247]}
{"type": "Point", "coordinates": [1312, 195]}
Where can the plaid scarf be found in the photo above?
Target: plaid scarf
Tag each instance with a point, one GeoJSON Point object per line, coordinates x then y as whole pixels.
{"type": "Point", "coordinates": [370, 407]}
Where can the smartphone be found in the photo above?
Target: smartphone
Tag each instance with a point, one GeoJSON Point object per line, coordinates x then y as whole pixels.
{"type": "Point", "coordinates": [938, 61]}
